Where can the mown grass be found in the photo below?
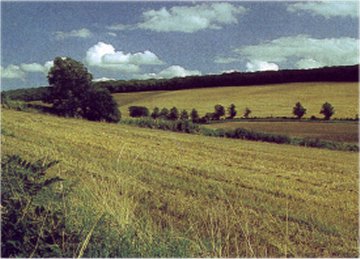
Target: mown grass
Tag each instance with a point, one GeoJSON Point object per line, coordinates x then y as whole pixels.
{"type": "Point", "coordinates": [173, 194]}
{"type": "Point", "coordinates": [264, 101]}
{"type": "Point", "coordinates": [339, 131]}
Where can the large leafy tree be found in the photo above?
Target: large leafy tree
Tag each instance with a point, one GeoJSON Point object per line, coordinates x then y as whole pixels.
{"type": "Point", "coordinates": [72, 93]}
{"type": "Point", "coordinates": [70, 83]}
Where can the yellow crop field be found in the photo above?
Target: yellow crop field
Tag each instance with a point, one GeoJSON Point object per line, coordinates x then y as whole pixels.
{"type": "Point", "coordinates": [264, 101]}
{"type": "Point", "coordinates": [219, 197]}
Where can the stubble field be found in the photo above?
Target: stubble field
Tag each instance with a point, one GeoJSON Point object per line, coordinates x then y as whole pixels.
{"type": "Point", "coordinates": [191, 195]}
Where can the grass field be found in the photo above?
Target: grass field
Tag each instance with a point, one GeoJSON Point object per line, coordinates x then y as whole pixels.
{"type": "Point", "coordinates": [190, 195]}
{"type": "Point", "coordinates": [264, 101]}
{"type": "Point", "coordinates": [339, 131]}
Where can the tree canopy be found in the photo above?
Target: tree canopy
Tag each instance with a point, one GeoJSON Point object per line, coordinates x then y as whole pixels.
{"type": "Point", "coordinates": [72, 93]}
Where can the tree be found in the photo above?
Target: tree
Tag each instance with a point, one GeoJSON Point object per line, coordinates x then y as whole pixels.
{"type": "Point", "coordinates": [219, 111]}
{"type": "Point", "coordinates": [299, 111]}
{"type": "Point", "coordinates": [70, 82]}
{"type": "Point", "coordinates": [164, 113]}
{"type": "Point", "coordinates": [138, 111]}
{"type": "Point", "coordinates": [72, 93]}
{"type": "Point", "coordinates": [99, 105]}
{"type": "Point", "coordinates": [184, 115]}
{"type": "Point", "coordinates": [156, 113]}
{"type": "Point", "coordinates": [232, 111]}
{"type": "Point", "coordinates": [194, 116]}
{"type": "Point", "coordinates": [247, 112]}
{"type": "Point", "coordinates": [327, 110]}
{"type": "Point", "coordinates": [174, 114]}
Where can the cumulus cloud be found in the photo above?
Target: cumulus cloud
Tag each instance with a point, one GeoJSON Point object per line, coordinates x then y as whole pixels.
{"type": "Point", "coordinates": [12, 72]}
{"type": "Point", "coordinates": [101, 79]}
{"type": "Point", "coordinates": [257, 65]}
{"type": "Point", "coordinates": [170, 72]}
{"type": "Point", "coordinates": [190, 19]}
{"type": "Point", "coordinates": [105, 56]}
{"type": "Point", "coordinates": [19, 71]}
{"type": "Point", "coordinates": [327, 9]}
{"type": "Point", "coordinates": [308, 52]}
{"type": "Point", "coordinates": [186, 19]}
{"type": "Point", "coordinates": [81, 33]}
{"type": "Point", "coordinates": [33, 67]}
{"type": "Point", "coordinates": [177, 71]}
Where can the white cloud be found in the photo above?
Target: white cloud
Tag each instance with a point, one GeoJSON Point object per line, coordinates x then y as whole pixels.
{"type": "Point", "coordinates": [257, 65]}
{"type": "Point", "coordinates": [12, 72]}
{"type": "Point", "coordinates": [101, 79]}
{"type": "Point", "coordinates": [225, 60]}
{"type": "Point", "coordinates": [327, 9]}
{"type": "Point", "coordinates": [104, 55]}
{"type": "Point", "coordinates": [191, 18]}
{"type": "Point", "coordinates": [81, 33]}
{"type": "Point", "coordinates": [113, 34]}
{"type": "Point", "coordinates": [48, 65]}
{"type": "Point", "coordinates": [32, 68]}
{"type": "Point", "coordinates": [305, 50]}
{"type": "Point", "coordinates": [120, 27]}
{"type": "Point", "coordinates": [170, 72]}
{"type": "Point", "coordinates": [20, 71]}
{"type": "Point", "coordinates": [229, 71]}
{"type": "Point", "coordinates": [307, 63]}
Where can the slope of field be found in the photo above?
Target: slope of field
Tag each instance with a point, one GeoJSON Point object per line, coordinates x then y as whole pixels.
{"type": "Point", "coordinates": [219, 197]}
{"type": "Point", "coordinates": [269, 100]}
{"type": "Point", "coordinates": [339, 131]}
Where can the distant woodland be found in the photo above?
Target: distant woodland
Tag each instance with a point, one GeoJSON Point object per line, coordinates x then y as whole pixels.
{"type": "Point", "coordinates": [326, 74]}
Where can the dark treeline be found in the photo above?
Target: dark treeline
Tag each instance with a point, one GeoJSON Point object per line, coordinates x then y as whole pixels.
{"type": "Point", "coordinates": [329, 74]}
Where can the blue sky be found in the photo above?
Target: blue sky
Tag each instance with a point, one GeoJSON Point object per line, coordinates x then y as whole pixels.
{"type": "Point", "coordinates": [139, 40]}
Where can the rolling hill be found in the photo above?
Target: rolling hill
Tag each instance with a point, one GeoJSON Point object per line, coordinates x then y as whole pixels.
{"type": "Point", "coordinates": [264, 101]}
{"type": "Point", "coordinates": [185, 195]}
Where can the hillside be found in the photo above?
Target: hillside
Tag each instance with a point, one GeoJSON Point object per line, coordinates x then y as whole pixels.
{"type": "Point", "coordinates": [189, 195]}
{"type": "Point", "coordinates": [264, 101]}
{"type": "Point", "coordinates": [325, 74]}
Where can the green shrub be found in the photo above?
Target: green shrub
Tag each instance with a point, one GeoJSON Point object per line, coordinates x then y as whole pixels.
{"type": "Point", "coordinates": [33, 219]}
{"type": "Point", "coordinates": [177, 126]}
{"type": "Point", "coordinates": [138, 111]}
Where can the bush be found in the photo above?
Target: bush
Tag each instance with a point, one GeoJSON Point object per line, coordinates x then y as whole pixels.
{"type": "Point", "coordinates": [156, 113]}
{"type": "Point", "coordinates": [247, 112]}
{"type": "Point", "coordinates": [298, 110]}
{"type": "Point", "coordinates": [174, 114]}
{"type": "Point", "coordinates": [177, 126]}
{"type": "Point", "coordinates": [327, 110]}
{"type": "Point", "coordinates": [219, 112]}
{"type": "Point", "coordinates": [138, 111]}
{"type": "Point", "coordinates": [184, 115]}
{"type": "Point", "coordinates": [194, 116]}
{"type": "Point", "coordinates": [33, 218]}
{"type": "Point", "coordinates": [99, 105]}
{"type": "Point", "coordinates": [164, 113]}
{"type": "Point", "coordinates": [232, 111]}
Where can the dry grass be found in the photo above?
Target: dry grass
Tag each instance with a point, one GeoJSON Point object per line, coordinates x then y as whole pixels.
{"type": "Point", "coordinates": [339, 131]}
{"type": "Point", "coordinates": [224, 197]}
{"type": "Point", "coordinates": [264, 101]}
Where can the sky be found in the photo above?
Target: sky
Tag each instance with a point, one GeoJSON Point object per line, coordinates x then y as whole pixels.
{"type": "Point", "coordinates": [144, 39]}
